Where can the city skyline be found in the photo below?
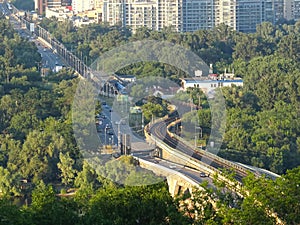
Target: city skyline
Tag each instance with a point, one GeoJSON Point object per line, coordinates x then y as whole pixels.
{"type": "Point", "coordinates": [182, 15]}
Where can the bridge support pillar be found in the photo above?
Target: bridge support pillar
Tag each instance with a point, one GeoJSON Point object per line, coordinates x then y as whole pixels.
{"type": "Point", "coordinates": [174, 188]}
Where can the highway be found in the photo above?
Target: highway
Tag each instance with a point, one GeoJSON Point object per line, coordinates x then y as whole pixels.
{"type": "Point", "coordinates": [49, 58]}
{"type": "Point", "coordinates": [3, 9]}
{"type": "Point", "coordinates": [188, 172]}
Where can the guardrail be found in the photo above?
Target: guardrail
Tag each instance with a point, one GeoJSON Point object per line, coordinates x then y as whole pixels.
{"type": "Point", "coordinates": [236, 186]}
{"type": "Point", "coordinates": [209, 154]}
{"type": "Point", "coordinates": [72, 60]}
{"type": "Point", "coordinates": [190, 180]}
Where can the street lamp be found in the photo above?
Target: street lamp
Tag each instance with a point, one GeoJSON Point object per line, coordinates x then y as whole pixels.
{"type": "Point", "coordinates": [105, 130]}
{"type": "Point", "coordinates": [119, 132]}
{"type": "Point", "coordinates": [196, 136]}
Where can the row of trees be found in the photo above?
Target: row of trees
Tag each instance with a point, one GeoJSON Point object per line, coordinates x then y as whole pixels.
{"type": "Point", "coordinates": [264, 202]}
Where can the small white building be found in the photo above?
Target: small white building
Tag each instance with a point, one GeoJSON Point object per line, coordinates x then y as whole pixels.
{"type": "Point", "coordinates": [126, 78]}
{"type": "Point", "coordinates": [60, 13]}
{"type": "Point", "coordinates": [206, 84]}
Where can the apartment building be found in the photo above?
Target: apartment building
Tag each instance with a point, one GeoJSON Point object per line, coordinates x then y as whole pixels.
{"type": "Point", "coordinates": [114, 12]}
{"type": "Point", "coordinates": [186, 15]}
{"type": "Point", "coordinates": [225, 12]}
{"type": "Point", "coordinates": [82, 5]}
{"type": "Point", "coordinates": [245, 15]}
{"type": "Point", "coordinates": [292, 9]}
{"type": "Point", "coordinates": [41, 5]}
{"type": "Point", "coordinates": [249, 15]}
{"type": "Point", "coordinates": [179, 15]}
{"type": "Point", "coordinates": [197, 15]}
{"type": "Point", "coordinates": [169, 14]}
{"type": "Point", "coordinates": [141, 14]}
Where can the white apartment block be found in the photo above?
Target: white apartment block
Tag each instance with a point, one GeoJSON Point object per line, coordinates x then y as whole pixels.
{"type": "Point", "coordinates": [225, 12]}
{"type": "Point", "coordinates": [292, 9]}
{"type": "Point", "coordinates": [191, 15]}
{"type": "Point", "coordinates": [141, 14]}
{"type": "Point", "coordinates": [114, 12]}
{"type": "Point", "coordinates": [180, 15]}
{"type": "Point", "coordinates": [169, 14]}
{"type": "Point", "coordinates": [82, 5]}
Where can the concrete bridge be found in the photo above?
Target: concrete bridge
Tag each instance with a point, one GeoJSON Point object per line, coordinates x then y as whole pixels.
{"type": "Point", "coordinates": [178, 182]}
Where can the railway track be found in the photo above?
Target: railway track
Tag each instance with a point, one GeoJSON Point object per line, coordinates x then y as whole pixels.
{"type": "Point", "coordinates": [159, 130]}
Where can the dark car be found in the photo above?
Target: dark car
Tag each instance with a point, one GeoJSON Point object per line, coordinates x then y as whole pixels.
{"type": "Point", "coordinates": [202, 174]}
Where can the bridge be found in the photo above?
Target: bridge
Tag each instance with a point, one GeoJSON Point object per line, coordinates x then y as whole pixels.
{"type": "Point", "coordinates": [169, 146]}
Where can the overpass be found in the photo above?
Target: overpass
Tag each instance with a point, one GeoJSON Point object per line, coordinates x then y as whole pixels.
{"type": "Point", "coordinates": [172, 147]}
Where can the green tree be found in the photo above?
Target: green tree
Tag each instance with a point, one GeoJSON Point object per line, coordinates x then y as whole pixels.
{"type": "Point", "coordinates": [66, 167]}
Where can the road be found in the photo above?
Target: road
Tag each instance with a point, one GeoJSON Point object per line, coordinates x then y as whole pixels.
{"type": "Point", "coordinates": [49, 58]}
{"type": "Point", "coordinates": [117, 124]}
{"type": "Point", "coordinates": [142, 149]}
{"type": "Point", "coordinates": [188, 172]}
{"type": "Point", "coordinates": [3, 9]}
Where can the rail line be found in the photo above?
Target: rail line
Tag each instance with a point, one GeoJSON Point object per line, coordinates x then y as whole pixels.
{"type": "Point", "coordinates": [160, 131]}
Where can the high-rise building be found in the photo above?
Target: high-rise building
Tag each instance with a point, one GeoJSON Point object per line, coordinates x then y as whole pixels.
{"type": "Point", "coordinates": [249, 14]}
{"type": "Point", "coordinates": [141, 14]}
{"type": "Point", "coordinates": [225, 12]}
{"type": "Point", "coordinates": [245, 15]}
{"type": "Point", "coordinates": [292, 9]}
{"type": "Point", "coordinates": [169, 14]}
{"type": "Point", "coordinates": [185, 15]}
{"type": "Point", "coordinates": [179, 15]}
{"type": "Point", "coordinates": [197, 15]}
{"type": "Point", "coordinates": [114, 12]}
{"type": "Point", "coordinates": [41, 5]}
{"type": "Point", "coordinates": [82, 5]}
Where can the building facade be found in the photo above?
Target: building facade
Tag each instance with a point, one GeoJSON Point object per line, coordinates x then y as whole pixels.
{"type": "Point", "coordinates": [184, 15]}
{"type": "Point", "coordinates": [292, 9]}
{"type": "Point", "coordinates": [114, 12]}
{"type": "Point", "coordinates": [82, 5]}
{"type": "Point", "coordinates": [141, 14]}
{"type": "Point", "coordinates": [225, 12]}
{"type": "Point", "coordinates": [197, 15]}
{"type": "Point", "coordinates": [41, 5]}
{"type": "Point", "coordinates": [245, 15]}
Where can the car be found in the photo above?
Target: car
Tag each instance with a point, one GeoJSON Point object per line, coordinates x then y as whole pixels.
{"type": "Point", "coordinates": [116, 155]}
{"type": "Point", "coordinates": [45, 50]}
{"type": "Point", "coordinates": [172, 166]}
{"type": "Point", "coordinates": [202, 174]}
